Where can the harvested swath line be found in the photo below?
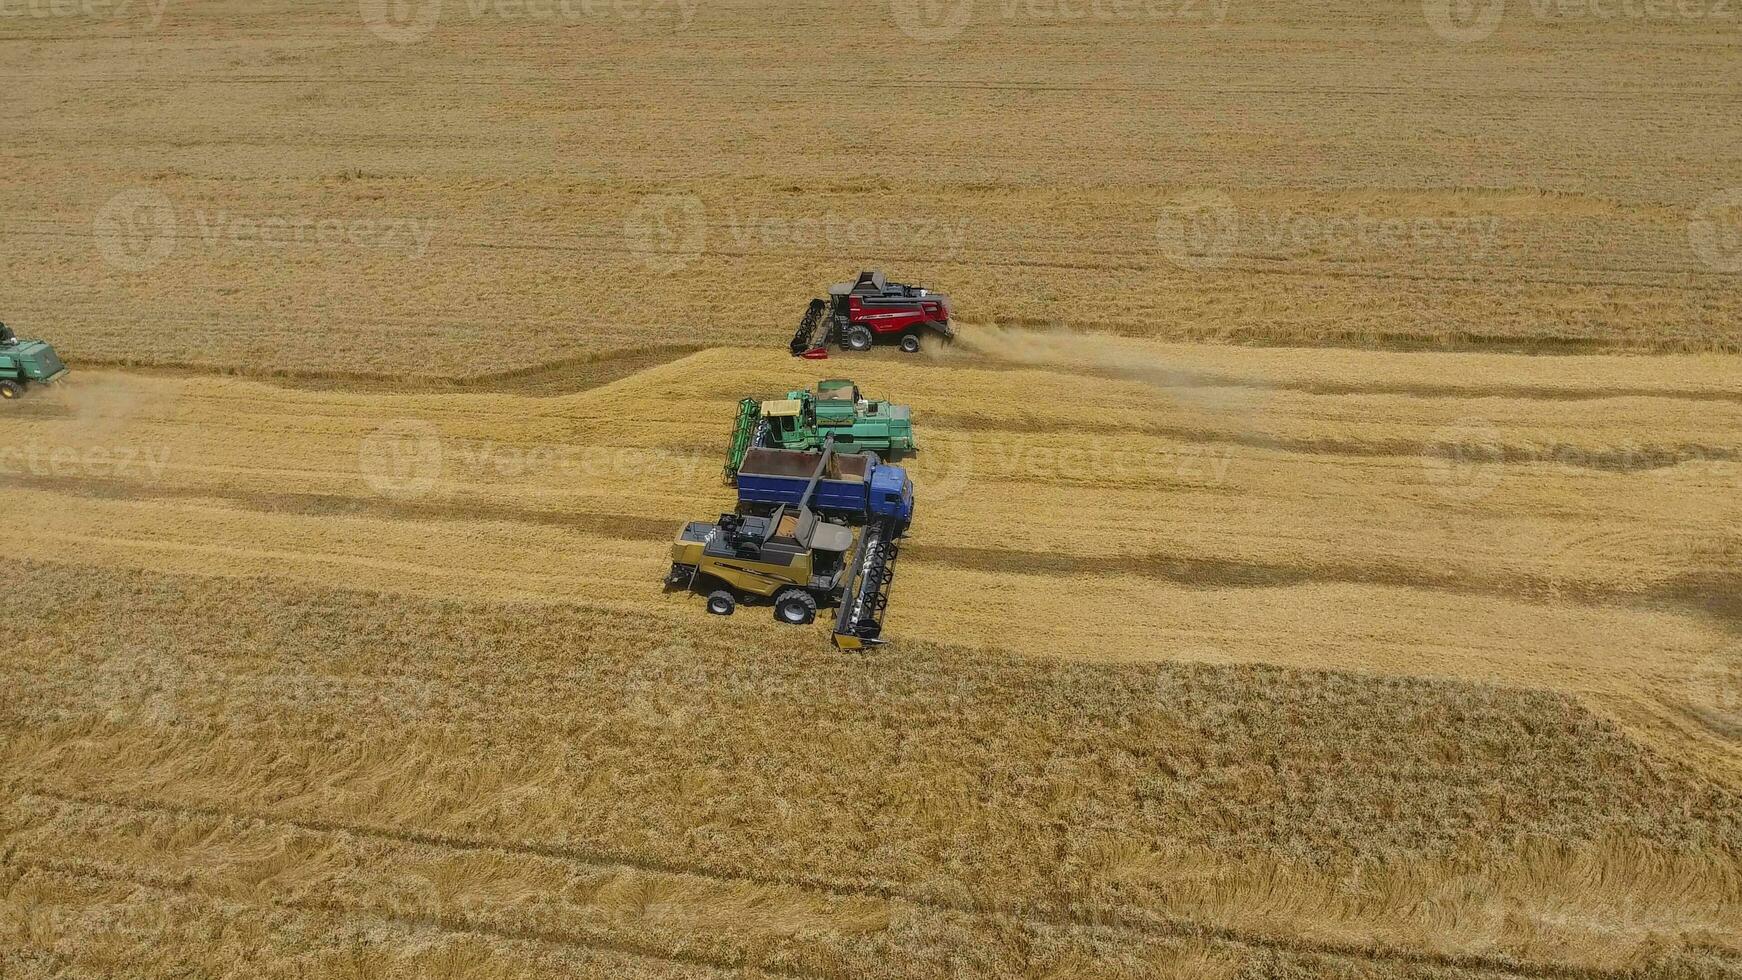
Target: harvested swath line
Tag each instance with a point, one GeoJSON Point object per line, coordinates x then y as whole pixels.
{"type": "Point", "coordinates": [37, 408]}
{"type": "Point", "coordinates": [1716, 593]}
{"type": "Point", "coordinates": [317, 505]}
{"type": "Point", "coordinates": [1631, 459]}
{"type": "Point", "coordinates": [1707, 592]}
{"type": "Point", "coordinates": [578, 373]}
{"type": "Point", "coordinates": [456, 925]}
{"type": "Point", "coordinates": [1005, 917]}
{"type": "Point", "coordinates": [1015, 947]}
{"type": "Point", "coordinates": [561, 377]}
{"type": "Point", "coordinates": [1187, 377]}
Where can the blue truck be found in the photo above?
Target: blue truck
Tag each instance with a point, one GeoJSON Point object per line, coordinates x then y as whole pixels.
{"type": "Point", "coordinates": [855, 486]}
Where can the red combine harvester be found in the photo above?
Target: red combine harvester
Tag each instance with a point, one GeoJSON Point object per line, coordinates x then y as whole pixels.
{"type": "Point", "coordinates": [859, 314]}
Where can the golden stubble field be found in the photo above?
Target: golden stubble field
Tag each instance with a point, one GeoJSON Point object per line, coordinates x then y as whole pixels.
{"type": "Point", "coordinates": [1326, 559]}
{"type": "Point", "coordinates": [395, 669]}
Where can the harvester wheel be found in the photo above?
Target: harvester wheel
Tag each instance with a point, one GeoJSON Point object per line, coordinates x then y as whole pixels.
{"type": "Point", "coordinates": [858, 337]}
{"type": "Point", "coordinates": [721, 602]}
{"type": "Point", "coordinates": [910, 343]}
{"type": "Point", "coordinates": [10, 389]}
{"type": "Point", "coordinates": [795, 606]}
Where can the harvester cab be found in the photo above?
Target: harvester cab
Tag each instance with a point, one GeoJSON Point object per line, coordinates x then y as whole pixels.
{"type": "Point", "coordinates": [861, 313]}
{"type": "Point", "coordinates": [26, 362]}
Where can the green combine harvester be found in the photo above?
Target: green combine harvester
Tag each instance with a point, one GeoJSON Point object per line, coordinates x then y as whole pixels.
{"type": "Point", "coordinates": [26, 362]}
{"type": "Point", "coordinates": [805, 420]}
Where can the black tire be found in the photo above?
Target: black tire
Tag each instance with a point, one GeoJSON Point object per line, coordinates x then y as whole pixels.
{"type": "Point", "coordinates": [10, 389]}
{"type": "Point", "coordinates": [858, 337]}
{"type": "Point", "coordinates": [795, 607]}
{"type": "Point", "coordinates": [721, 602]}
{"type": "Point", "coordinates": [910, 343]}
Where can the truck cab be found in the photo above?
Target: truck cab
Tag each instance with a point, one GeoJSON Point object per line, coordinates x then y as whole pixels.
{"type": "Point", "coordinates": [891, 495]}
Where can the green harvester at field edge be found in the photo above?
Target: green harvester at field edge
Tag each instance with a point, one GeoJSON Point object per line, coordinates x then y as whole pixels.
{"type": "Point", "coordinates": [806, 419]}
{"type": "Point", "coordinates": [26, 362]}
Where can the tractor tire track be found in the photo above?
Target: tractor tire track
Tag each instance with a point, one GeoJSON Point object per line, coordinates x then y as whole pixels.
{"type": "Point", "coordinates": [1124, 921]}
{"type": "Point", "coordinates": [449, 923]}
{"type": "Point", "coordinates": [564, 376]}
{"type": "Point", "coordinates": [622, 526]}
{"type": "Point", "coordinates": [1164, 376]}
{"type": "Point", "coordinates": [1628, 459]}
{"type": "Point", "coordinates": [1714, 594]}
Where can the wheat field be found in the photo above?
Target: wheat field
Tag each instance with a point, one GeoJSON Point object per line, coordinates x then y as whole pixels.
{"type": "Point", "coordinates": [1326, 552]}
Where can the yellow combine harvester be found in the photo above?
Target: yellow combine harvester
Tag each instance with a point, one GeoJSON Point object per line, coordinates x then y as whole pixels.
{"type": "Point", "coordinates": [799, 560]}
